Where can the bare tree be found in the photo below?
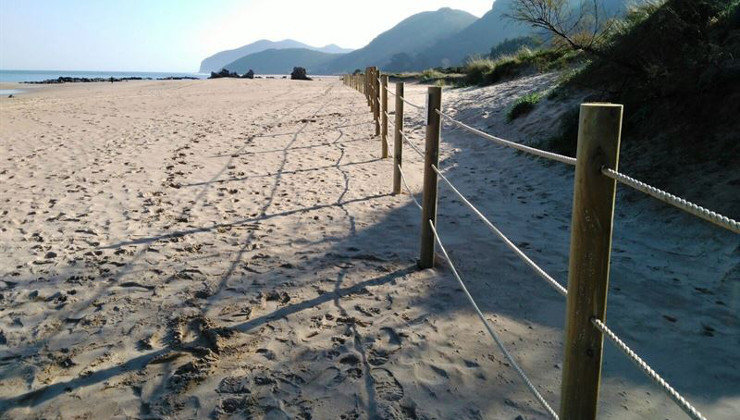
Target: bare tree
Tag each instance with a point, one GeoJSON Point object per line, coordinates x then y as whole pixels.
{"type": "Point", "coordinates": [582, 26]}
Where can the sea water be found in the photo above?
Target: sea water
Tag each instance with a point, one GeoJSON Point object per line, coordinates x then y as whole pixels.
{"type": "Point", "coordinates": [40, 75]}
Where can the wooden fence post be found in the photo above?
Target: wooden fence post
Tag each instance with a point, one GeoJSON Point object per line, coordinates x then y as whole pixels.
{"type": "Point", "coordinates": [366, 86]}
{"type": "Point", "coordinates": [376, 99]}
{"type": "Point", "coordinates": [384, 116]}
{"type": "Point", "coordinates": [429, 195]}
{"type": "Point", "coordinates": [599, 133]}
{"type": "Point", "coordinates": [398, 140]}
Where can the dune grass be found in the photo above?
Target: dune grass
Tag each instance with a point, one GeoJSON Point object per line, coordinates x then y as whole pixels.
{"type": "Point", "coordinates": [523, 105]}
{"type": "Point", "coordinates": [487, 71]}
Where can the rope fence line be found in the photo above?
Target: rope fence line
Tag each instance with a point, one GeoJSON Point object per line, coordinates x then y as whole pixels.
{"type": "Point", "coordinates": [601, 133]}
{"type": "Point", "coordinates": [508, 143]}
{"type": "Point", "coordinates": [675, 396]}
{"type": "Point", "coordinates": [490, 329]}
{"type": "Point", "coordinates": [408, 141]}
{"type": "Point", "coordinates": [405, 184]}
{"type": "Point", "coordinates": [678, 202]}
{"type": "Point", "coordinates": [537, 269]}
{"type": "Point", "coordinates": [407, 102]}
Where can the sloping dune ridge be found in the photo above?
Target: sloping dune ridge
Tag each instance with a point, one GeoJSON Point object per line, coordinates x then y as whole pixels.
{"type": "Point", "coordinates": [230, 248]}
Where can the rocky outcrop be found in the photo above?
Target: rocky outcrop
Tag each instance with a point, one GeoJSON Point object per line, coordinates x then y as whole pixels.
{"type": "Point", "coordinates": [248, 75]}
{"type": "Point", "coordinates": [223, 74]}
{"type": "Point", "coordinates": [299, 73]}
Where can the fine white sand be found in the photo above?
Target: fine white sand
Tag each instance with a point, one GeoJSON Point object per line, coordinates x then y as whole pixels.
{"type": "Point", "coordinates": [230, 248]}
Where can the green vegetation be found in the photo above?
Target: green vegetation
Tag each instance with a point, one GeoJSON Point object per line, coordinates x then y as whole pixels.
{"type": "Point", "coordinates": [523, 105]}
{"type": "Point", "coordinates": [673, 65]}
{"type": "Point", "coordinates": [511, 46]}
{"type": "Point", "coordinates": [486, 71]}
{"type": "Point", "coordinates": [430, 75]}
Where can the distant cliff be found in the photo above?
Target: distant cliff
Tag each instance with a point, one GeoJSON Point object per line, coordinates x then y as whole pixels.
{"type": "Point", "coordinates": [282, 61]}
{"type": "Point", "coordinates": [218, 61]}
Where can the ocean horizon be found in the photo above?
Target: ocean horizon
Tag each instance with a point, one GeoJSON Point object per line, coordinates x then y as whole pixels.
{"type": "Point", "coordinates": [17, 76]}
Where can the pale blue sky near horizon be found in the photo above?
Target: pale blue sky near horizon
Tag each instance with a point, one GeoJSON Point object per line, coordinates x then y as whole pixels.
{"type": "Point", "coordinates": [175, 35]}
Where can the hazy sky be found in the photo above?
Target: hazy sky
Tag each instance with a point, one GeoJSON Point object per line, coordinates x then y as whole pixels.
{"type": "Point", "coordinates": [175, 35]}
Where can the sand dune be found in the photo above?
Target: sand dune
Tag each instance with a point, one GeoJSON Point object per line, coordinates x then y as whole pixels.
{"type": "Point", "coordinates": [230, 248]}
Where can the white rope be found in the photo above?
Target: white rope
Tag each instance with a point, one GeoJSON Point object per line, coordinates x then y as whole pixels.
{"type": "Point", "coordinates": [493, 334]}
{"type": "Point", "coordinates": [678, 202]}
{"type": "Point", "coordinates": [411, 103]}
{"type": "Point", "coordinates": [389, 91]}
{"type": "Point", "coordinates": [416, 149]}
{"type": "Point", "coordinates": [405, 184]}
{"type": "Point", "coordinates": [675, 396]}
{"type": "Point", "coordinates": [527, 149]}
{"type": "Point", "coordinates": [542, 273]}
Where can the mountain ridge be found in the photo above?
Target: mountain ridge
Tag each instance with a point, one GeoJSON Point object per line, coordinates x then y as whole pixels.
{"type": "Point", "coordinates": [281, 61]}
{"type": "Point", "coordinates": [414, 33]}
{"type": "Point", "coordinates": [219, 60]}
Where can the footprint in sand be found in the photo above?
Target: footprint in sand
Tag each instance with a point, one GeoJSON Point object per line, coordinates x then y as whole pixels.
{"type": "Point", "coordinates": [330, 378]}
{"type": "Point", "coordinates": [387, 388]}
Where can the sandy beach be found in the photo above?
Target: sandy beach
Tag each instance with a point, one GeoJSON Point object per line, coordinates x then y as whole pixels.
{"type": "Point", "coordinates": [231, 248]}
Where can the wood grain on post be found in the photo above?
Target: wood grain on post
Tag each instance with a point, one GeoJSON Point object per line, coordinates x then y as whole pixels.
{"type": "Point", "coordinates": [366, 85]}
{"type": "Point", "coordinates": [599, 133]}
{"type": "Point", "coordinates": [384, 116]}
{"type": "Point", "coordinates": [376, 99]}
{"type": "Point", "coordinates": [398, 140]}
{"type": "Point", "coordinates": [429, 195]}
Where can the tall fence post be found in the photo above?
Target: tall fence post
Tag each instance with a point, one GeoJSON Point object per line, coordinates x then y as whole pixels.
{"type": "Point", "coordinates": [376, 98]}
{"type": "Point", "coordinates": [429, 195]}
{"type": "Point", "coordinates": [366, 86]}
{"type": "Point", "coordinates": [384, 116]}
{"type": "Point", "coordinates": [599, 133]}
{"type": "Point", "coordinates": [398, 140]}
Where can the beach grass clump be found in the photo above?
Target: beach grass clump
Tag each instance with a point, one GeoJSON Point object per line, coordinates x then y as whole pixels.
{"type": "Point", "coordinates": [430, 75]}
{"type": "Point", "coordinates": [523, 105]}
{"type": "Point", "coordinates": [477, 69]}
{"type": "Point", "coordinates": [487, 71]}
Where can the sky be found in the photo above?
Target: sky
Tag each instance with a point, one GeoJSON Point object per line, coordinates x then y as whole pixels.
{"type": "Point", "coordinates": [175, 35]}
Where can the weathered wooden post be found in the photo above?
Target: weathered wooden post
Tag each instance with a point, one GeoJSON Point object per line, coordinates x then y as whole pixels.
{"type": "Point", "coordinates": [376, 99]}
{"type": "Point", "coordinates": [384, 116]}
{"type": "Point", "coordinates": [431, 158]}
{"type": "Point", "coordinates": [398, 140]}
{"type": "Point", "coordinates": [599, 132]}
{"type": "Point", "coordinates": [366, 85]}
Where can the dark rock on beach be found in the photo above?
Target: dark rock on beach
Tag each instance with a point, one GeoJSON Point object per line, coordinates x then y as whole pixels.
{"type": "Point", "coordinates": [179, 78]}
{"type": "Point", "coordinates": [223, 74]}
{"type": "Point", "coordinates": [299, 73]}
{"type": "Point", "coordinates": [249, 74]}
{"type": "Point", "coordinates": [60, 80]}
{"type": "Point", "coordinates": [84, 80]}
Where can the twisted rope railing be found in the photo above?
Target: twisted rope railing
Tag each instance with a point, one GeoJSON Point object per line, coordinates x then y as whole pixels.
{"type": "Point", "coordinates": [678, 202]}
{"type": "Point", "coordinates": [664, 196]}
{"type": "Point", "coordinates": [527, 149]}
{"type": "Point", "coordinates": [519, 253]}
{"type": "Point", "coordinates": [408, 141]}
{"type": "Point", "coordinates": [675, 396]}
{"type": "Point", "coordinates": [406, 185]}
{"type": "Point", "coordinates": [407, 102]}
{"type": "Point", "coordinates": [490, 329]}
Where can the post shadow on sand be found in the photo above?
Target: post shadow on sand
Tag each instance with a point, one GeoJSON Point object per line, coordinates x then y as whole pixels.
{"type": "Point", "coordinates": [387, 229]}
{"type": "Point", "coordinates": [41, 395]}
{"type": "Point", "coordinates": [127, 268]}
